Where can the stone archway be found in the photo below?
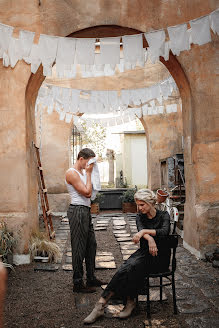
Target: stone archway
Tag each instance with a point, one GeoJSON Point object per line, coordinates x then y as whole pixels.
{"type": "Point", "coordinates": [193, 71]}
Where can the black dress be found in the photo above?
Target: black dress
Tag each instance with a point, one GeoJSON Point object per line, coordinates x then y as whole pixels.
{"type": "Point", "coordinates": [128, 280]}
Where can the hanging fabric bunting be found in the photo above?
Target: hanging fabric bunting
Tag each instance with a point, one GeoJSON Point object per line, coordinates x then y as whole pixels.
{"type": "Point", "coordinates": [50, 109]}
{"type": "Point", "coordinates": [62, 116]}
{"type": "Point", "coordinates": [68, 118]}
{"type": "Point", "coordinates": [138, 112]}
{"type": "Point", "coordinates": [14, 51]}
{"type": "Point", "coordinates": [26, 41]}
{"type": "Point", "coordinates": [214, 19]}
{"type": "Point", "coordinates": [179, 38]}
{"type": "Point", "coordinates": [5, 35]}
{"type": "Point", "coordinates": [85, 50]}
{"type": "Point", "coordinates": [145, 110]}
{"type": "Point", "coordinates": [110, 50]}
{"type": "Point", "coordinates": [156, 42]}
{"type": "Point", "coordinates": [133, 48]}
{"type": "Point", "coordinates": [200, 31]}
{"type": "Point", "coordinates": [171, 108]}
{"type": "Point", "coordinates": [47, 52]}
{"type": "Point", "coordinates": [34, 58]}
{"type": "Point", "coordinates": [160, 109]}
{"type": "Point", "coordinates": [65, 54]}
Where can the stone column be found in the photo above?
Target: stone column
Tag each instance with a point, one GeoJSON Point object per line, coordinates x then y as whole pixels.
{"type": "Point", "coordinates": [111, 157]}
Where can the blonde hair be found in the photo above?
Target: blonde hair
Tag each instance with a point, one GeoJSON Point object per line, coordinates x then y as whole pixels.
{"type": "Point", "coordinates": [146, 195]}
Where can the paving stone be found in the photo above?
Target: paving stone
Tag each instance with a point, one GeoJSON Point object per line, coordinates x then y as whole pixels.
{"type": "Point", "coordinates": [100, 228]}
{"type": "Point", "coordinates": [210, 292]}
{"type": "Point", "coordinates": [105, 265]}
{"type": "Point", "coordinates": [203, 322]}
{"type": "Point", "coordinates": [104, 253]}
{"type": "Point", "coordinates": [69, 254]}
{"type": "Point", "coordinates": [154, 296]}
{"type": "Point", "coordinates": [128, 246]}
{"type": "Point", "coordinates": [184, 294]}
{"type": "Point", "coordinates": [120, 231]}
{"type": "Point", "coordinates": [121, 235]}
{"type": "Point", "coordinates": [205, 281]}
{"type": "Point", "coordinates": [162, 323]}
{"type": "Point", "coordinates": [67, 267]}
{"type": "Point", "coordinates": [68, 260]}
{"type": "Point", "coordinates": [192, 305]}
{"type": "Point", "coordinates": [81, 301]}
{"type": "Point", "coordinates": [128, 251]}
{"type": "Point", "coordinates": [47, 267]}
{"type": "Point", "coordinates": [119, 227]}
{"type": "Point", "coordinates": [121, 239]}
{"type": "Point", "coordinates": [125, 257]}
{"type": "Point", "coordinates": [119, 222]}
{"type": "Point", "coordinates": [104, 258]}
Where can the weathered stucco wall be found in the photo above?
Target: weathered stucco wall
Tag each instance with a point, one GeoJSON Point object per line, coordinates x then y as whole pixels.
{"type": "Point", "coordinates": [53, 138]}
{"type": "Point", "coordinates": [164, 139]}
{"type": "Point", "coordinates": [193, 71]}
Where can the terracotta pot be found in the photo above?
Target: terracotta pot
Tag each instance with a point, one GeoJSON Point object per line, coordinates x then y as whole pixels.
{"type": "Point", "coordinates": [162, 195]}
{"type": "Point", "coordinates": [129, 208]}
{"type": "Point", "coordinates": [95, 208]}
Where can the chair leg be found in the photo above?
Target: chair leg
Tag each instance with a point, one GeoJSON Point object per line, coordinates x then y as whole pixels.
{"type": "Point", "coordinates": [174, 294]}
{"type": "Point", "coordinates": [148, 300]}
{"type": "Point", "coordinates": [161, 289]}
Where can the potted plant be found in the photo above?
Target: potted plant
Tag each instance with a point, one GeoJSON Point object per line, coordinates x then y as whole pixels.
{"type": "Point", "coordinates": [128, 202]}
{"type": "Point", "coordinates": [95, 203]}
{"type": "Point", "coordinates": [42, 249]}
{"type": "Point", "coordinates": [7, 242]}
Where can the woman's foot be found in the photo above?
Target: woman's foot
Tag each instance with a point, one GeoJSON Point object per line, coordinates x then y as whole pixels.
{"type": "Point", "coordinates": [97, 312]}
{"type": "Point", "coordinates": [127, 311]}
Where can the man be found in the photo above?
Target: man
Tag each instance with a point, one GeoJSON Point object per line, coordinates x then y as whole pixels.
{"type": "Point", "coordinates": [83, 241]}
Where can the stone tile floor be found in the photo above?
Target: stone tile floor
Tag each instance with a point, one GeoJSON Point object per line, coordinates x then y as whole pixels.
{"type": "Point", "coordinates": [196, 281]}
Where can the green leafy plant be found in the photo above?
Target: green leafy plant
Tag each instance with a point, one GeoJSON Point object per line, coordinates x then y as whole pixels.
{"type": "Point", "coordinates": [99, 197]}
{"type": "Point", "coordinates": [41, 246]}
{"type": "Point", "coordinates": [7, 242]}
{"type": "Point", "coordinates": [128, 196]}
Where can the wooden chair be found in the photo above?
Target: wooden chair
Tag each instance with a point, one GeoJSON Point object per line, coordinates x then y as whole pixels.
{"type": "Point", "coordinates": [170, 242]}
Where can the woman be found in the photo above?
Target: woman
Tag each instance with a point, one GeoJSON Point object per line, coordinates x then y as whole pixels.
{"type": "Point", "coordinates": [128, 280]}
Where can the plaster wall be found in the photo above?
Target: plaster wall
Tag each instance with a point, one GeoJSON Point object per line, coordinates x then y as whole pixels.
{"type": "Point", "coordinates": [194, 72]}
{"type": "Point", "coordinates": [164, 139]}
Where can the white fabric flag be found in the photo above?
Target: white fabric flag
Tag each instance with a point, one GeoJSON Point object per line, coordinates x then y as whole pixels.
{"type": "Point", "coordinates": [110, 50]}
{"type": "Point", "coordinates": [26, 40]}
{"type": "Point", "coordinates": [156, 42]}
{"type": "Point", "coordinates": [85, 51]}
{"type": "Point", "coordinates": [125, 96]}
{"type": "Point", "coordinates": [47, 52]}
{"type": "Point", "coordinates": [5, 35]}
{"type": "Point", "coordinates": [138, 112]}
{"type": "Point", "coordinates": [145, 110]}
{"type": "Point", "coordinates": [62, 116]}
{"type": "Point", "coordinates": [200, 31]}
{"type": "Point", "coordinates": [133, 48]}
{"type": "Point", "coordinates": [34, 58]}
{"type": "Point", "coordinates": [14, 51]}
{"type": "Point", "coordinates": [179, 38]}
{"type": "Point", "coordinates": [160, 109]}
{"type": "Point", "coordinates": [68, 118]}
{"type": "Point", "coordinates": [50, 109]}
{"type": "Point", "coordinates": [214, 19]}
{"type": "Point", "coordinates": [65, 54]}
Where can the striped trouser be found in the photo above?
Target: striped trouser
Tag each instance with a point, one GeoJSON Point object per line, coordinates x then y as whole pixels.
{"type": "Point", "coordinates": [83, 241]}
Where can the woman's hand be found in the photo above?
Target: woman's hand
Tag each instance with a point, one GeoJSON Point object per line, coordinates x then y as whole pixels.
{"type": "Point", "coordinates": [137, 237]}
{"type": "Point", "coordinates": [152, 246]}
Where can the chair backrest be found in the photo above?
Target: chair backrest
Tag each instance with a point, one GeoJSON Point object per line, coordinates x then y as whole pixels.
{"type": "Point", "coordinates": [169, 242]}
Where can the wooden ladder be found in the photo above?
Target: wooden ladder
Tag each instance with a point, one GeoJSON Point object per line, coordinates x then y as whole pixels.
{"type": "Point", "coordinates": [43, 196]}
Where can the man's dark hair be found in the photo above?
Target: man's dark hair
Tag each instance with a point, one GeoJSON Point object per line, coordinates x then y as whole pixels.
{"type": "Point", "coordinates": [86, 153]}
